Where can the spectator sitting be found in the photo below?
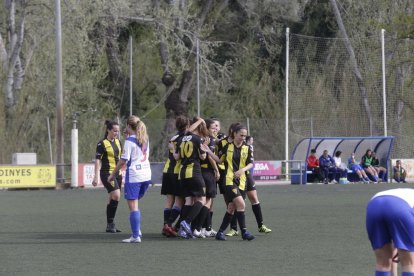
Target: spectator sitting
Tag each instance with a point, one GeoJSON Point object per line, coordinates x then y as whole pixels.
{"type": "Point", "coordinates": [327, 164]}
{"type": "Point", "coordinates": [343, 172]}
{"type": "Point", "coordinates": [313, 165]}
{"type": "Point", "coordinates": [376, 164]}
{"type": "Point", "coordinates": [356, 168]}
{"type": "Point", "coordinates": [366, 164]}
{"type": "Point", "coordinates": [399, 172]}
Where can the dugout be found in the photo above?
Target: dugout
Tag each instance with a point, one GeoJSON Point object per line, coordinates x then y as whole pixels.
{"type": "Point", "coordinates": [382, 145]}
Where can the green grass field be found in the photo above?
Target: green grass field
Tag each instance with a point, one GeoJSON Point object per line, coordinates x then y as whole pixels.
{"type": "Point", "coordinates": [317, 230]}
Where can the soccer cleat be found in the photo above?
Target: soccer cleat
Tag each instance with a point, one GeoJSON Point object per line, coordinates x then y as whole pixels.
{"type": "Point", "coordinates": [220, 236]}
{"type": "Point", "coordinates": [186, 227]}
{"type": "Point", "coordinates": [170, 232]}
{"type": "Point", "coordinates": [232, 233]}
{"type": "Point", "coordinates": [182, 233]}
{"type": "Point", "coordinates": [132, 240]}
{"type": "Point", "coordinates": [210, 233]}
{"type": "Point", "coordinates": [198, 234]}
{"type": "Point", "coordinates": [247, 236]}
{"type": "Point", "coordinates": [264, 229]}
{"type": "Point", "coordinates": [110, 228]}
{"type": "Point", "coordinates": [164, 232]}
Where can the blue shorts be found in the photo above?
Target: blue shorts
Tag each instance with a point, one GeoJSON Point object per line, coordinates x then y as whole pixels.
{"type": "Point", "coordinates": [135, 190]}
{"type": "Point", "coordinates": [390, 218]}
{"type": "Point", "coordinates": [356, 167]}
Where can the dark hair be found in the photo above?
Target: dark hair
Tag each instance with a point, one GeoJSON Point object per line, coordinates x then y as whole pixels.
{"type": "Point", "coordinates": [236, 129]}
{"type": "Point", "coordinates": [209, 122]}
{"type": "Point", "coordinates": [338, 153]}
{"type": "Point", "coordinates": [248, 137]}
{"type": "Point", "coordinates": [313, 150]}
{"type": "Point", "coordinates": [109, 126]}
{"type": "Point", "coordinates": [181, 123]}
{"type": "Point", "coordinates": [232, 127]}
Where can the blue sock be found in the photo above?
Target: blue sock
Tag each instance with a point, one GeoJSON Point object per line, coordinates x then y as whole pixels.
{"type": "Point", "coordinates": [382, 273]}
{"type": "Point", "coordinates": [135, 221]}
{"type": "Point", "coordinates": [407, 274]}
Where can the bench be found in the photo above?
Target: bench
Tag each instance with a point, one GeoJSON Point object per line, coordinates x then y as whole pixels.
{"type": "Point", "coordinates": [352, 176]}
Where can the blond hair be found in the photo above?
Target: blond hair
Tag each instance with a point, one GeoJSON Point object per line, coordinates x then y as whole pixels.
{"type": "Point", "coordinates": [140, 130]}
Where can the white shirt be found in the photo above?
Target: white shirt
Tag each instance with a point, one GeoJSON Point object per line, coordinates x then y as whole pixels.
{"type": "Point", "coordinates": [338, 161]}
{"type": "Point", "coordinates": [406, 194]}
{"type": "Point", "coordinates": [138, 166]}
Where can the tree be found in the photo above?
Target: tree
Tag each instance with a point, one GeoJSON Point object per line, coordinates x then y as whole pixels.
{"type": "Point", "coordinates": [10, 51]}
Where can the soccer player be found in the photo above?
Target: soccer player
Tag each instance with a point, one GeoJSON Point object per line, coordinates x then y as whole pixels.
{"type": "Point", "coordinates": [190, 153]}
{"type": "Point", "coordinates": [238, 159]}
{"type": "Point", "coordinates": [220, 145]}
{"type": "Point", "coordinates": [366, 164]}
{"type": "Point", "coordinates": [251, 193]}
{"type": "Point", "coordinates": [209, 171]}
{"type": "Point", "coordinates": [356, 168]}
{"type": "Point", "coordinates": [171, 186]}
{"type": "Point", "coordinates": [380, 169]}
{"type": "Point", "coordinates": [390, 224]}
{"type": "Point", "coordinates": [138, 172]}
{"type": "Point", "coordinates": [108, 152]}
{"type": "Point", "coordinates": [400, 174]}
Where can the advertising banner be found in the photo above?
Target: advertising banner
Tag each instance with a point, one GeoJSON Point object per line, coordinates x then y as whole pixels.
{"type": "Point", "coordinates": [267, 170]}
{"type": "Point", "coordinates": [27, 176]}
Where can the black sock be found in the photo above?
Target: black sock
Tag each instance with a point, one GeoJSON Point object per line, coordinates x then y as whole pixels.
{"type": "Point", "coordinates": [233, 224]}
{"type": "Point", "coordinates": [111, 211]}
{"type": "Point", "coordinates": [167, 214]}
{"type": "Point", "coordinates": [175, 212]}
{"type": "Point", "coordinates": [201, 218]}
{"type": "Point", "coordinates": [195, 222]}
{"type": "Point", "coordinates": [242, 220]}
{"type": "Point", "coordinates": [257, 210]}
{"type": "Point", "coordinates": [207, 221]}
{"type": "Point", "coordinates": [226, 221]}
{"type": "Point", "coordinates": [195, 209]}
{"type": "Point", "coordinates": [184, 212]}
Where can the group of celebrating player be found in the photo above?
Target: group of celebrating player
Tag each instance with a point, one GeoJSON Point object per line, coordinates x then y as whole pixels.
{"type": "Point", "coordinates": [200, 159]}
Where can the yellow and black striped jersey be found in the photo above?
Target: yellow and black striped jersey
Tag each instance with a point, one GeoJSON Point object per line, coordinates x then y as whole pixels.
{"type": "Point", "coordinates": [236, 158]}
{"type": "Point", "coordinates": [189, 151]}
{"type": "Point", "coordinates": [205, 164]}
{"type": "Point", "coordinates": [109, 152]}
{"type": "Point", "coordinates": [172, 165]}
{"type": "Point", "coordinates": [220, 145]}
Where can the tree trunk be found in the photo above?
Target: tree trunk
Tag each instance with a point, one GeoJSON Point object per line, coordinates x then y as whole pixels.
{"type": "Point", "coordinates": [354, 65]}
{"type": "Point", "coordinates": [119, 80]}
{"type": "Point", "coordinates": [14, 68]}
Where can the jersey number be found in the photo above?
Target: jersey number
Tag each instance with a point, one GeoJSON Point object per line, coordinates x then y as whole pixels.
{"type": "Point", "coordinates": [186, 149]}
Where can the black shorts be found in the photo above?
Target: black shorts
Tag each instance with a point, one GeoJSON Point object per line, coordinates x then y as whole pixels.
{"type": "Point", "coordinates": [170, 184]}
{"type": "Point", "coordinates": [231, 192]}
{"type": "Point", "coordinates": [194, 186]}
{"type": "Point", "coordinates": [110, 187]}
{"type": "Point", "coordinates": [210, 181]}
{"type": "Point", "coordinates": [250, 184]}
{"type": "Point", "coordinates": [221, 182]}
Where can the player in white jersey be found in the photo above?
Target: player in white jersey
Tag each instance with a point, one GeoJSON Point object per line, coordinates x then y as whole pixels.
{"type": "Point", "coordinates": [138, 172]}
{"type": "Point", "coordinates": [390, 227]}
